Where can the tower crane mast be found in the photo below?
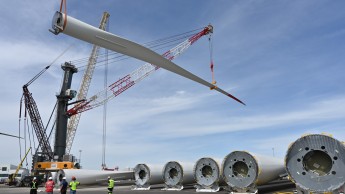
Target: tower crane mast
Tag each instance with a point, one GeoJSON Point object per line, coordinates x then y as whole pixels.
{"type": "Point", "coordinates": [136, 76]}
{"type": "Point", "coordinates": [84, 87]}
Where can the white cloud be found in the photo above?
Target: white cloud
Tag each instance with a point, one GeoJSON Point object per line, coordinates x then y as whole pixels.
{"type": "Point", "coordinates": [200, 124]}
{"type": "Point", "coordinates": [282, 59]}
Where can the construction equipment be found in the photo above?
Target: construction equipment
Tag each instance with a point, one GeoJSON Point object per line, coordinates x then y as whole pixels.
{"type": "Point", "coordinates": [63, 139]}
{"type": "Point", "coordinates": [50, 163]}
{"type": "Point", "coordinates": [46, 153]}
{"type": "Point", "coordinates": [12, 177]}
{"type": "Point", "coordinates": [40, 178]}
{"type": "Point", "coordinates": [47, 160]}
{"type": "Point", "coordinates": [37, 124]}
{"type": "Point", "coordinates": [65, 95]}
{"type": "Point", "coordinates": [84, 88]}
{"type": "Point", "coordinates": [136, 76]}
{"type": "Point", "coordinates": [125, 83]}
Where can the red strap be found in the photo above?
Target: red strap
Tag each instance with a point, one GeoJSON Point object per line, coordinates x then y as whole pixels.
{"type": "Point", "coordinates": [65, 12]}
{"type": "Point", "coordinates": [63, 2]}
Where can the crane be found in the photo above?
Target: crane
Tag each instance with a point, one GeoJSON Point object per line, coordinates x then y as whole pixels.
{"type": "Point", "coordinates": [42, 160]}
{"type": "Point", "coordinates": [36, 121]}
{"type": "Point", "coordinates": [136, 76]}
{"type": "Point", "coordinates": [49, 160]}
{"type": "Point", "coordinates": [84, 87]}
{"type": "Point", "coordinates": [12, 177]}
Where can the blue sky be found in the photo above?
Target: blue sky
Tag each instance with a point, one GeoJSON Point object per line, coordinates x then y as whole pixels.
{"type": "Point", "coordinates": [284, 59]}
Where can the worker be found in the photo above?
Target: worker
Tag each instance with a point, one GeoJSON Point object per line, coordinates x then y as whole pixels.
{"type": "Point", "coordinates": [50, 185]}
{"type": "Point", "coordinates": [110, 185]}
{"type": "Point", "coordinates": [73, 184]}
{"type": "Point", "coordinates": [63, 186]}
{"type": "Point", "coordinates": [33, 186]}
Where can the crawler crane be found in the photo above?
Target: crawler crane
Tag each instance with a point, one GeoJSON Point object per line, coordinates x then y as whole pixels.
{"type": "Point", "coordinates": [48, 160]}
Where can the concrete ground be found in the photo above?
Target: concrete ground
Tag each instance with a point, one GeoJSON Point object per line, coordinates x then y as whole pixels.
{"type": "Point", "coordinates": [276, 188]}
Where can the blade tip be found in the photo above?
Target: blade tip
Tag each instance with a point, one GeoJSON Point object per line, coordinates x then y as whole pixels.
{"type": "Point", "coordinates": [233, 97]}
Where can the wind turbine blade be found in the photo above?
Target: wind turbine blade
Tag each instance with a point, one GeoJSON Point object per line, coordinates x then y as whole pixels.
{"type": "Point", "coordinates": [93, 35]}
{"type": "Point", "coordinates": [229, 95]}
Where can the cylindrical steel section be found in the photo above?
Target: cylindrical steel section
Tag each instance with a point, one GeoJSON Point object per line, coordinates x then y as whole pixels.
{"type": "Point", "coordinates": [147, 174]}
{"type": "Point", "coordinates": [53, 175]}
{"type": "Point", "coordinates": [316, 163]}
{"type": "Point", "coordinates": [178, 173]}
{"type": "Point", "coordinates": [242, 169]}
{"type": "Point", "coordinates": [90, 177]}
{"type": "Point", "coordinates": [207, 172]}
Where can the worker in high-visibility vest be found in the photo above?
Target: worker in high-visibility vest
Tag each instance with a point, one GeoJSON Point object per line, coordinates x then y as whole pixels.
{"type": "Point", "coordinates": [73, 184]}
{"type": "Point", "coordinates": [33, 186]}
{"type": "Point", "coordinates": [110, 185]}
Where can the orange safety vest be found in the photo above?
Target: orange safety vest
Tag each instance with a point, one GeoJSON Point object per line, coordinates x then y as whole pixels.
{"type": "Point", "coordinates": [50, 186]}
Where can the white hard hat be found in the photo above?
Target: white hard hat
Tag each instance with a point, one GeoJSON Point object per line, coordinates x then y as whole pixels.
{"type": "Point", "coordinates": [50, 178]}
{"type": "Point", "coordinates": [108, 177]}
{"type": "Point", "coordinates": [64, 178]}
{"type": "Point", "coordinates": [34, 178]}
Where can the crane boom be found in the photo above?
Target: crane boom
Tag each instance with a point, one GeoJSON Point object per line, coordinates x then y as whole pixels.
{"type": "Point", "coordinates": [37, 123]}
{"type": "Point", "coordinates": [136, 76]}
{"type": "Point", "coordinates": [12, 178]}
{"type": "Point", "coordinates": [84, 87]}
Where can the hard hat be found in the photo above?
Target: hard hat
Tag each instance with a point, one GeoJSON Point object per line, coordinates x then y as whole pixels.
{"type": "Point", "coordinates": [64, 178]}
{"type": "Point", "coordinates": [108, 177]}
{"type": "Point", "coordinates": [35, 178]}
{"type": "Point", "coordinates": [50, 178]}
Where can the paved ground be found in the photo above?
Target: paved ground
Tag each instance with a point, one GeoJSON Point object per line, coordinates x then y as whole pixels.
{"type": "Point", "coordinates": [280, 188]}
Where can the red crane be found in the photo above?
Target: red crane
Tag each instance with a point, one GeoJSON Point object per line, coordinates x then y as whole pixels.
{"type": "Point", "coordinates": [136, 76]}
